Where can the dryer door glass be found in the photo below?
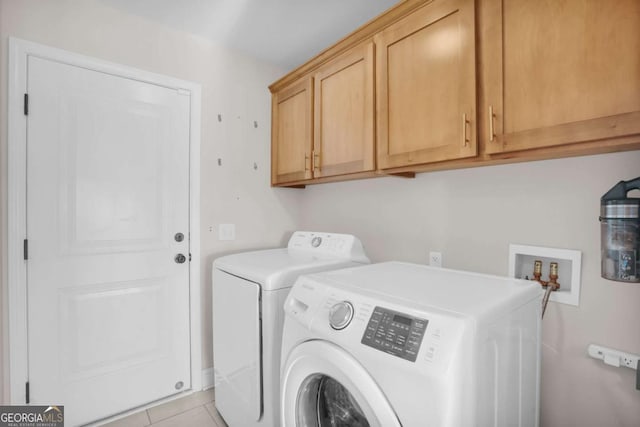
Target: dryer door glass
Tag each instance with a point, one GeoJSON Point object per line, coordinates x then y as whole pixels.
{"type": "Point", "coordinates": [324, 402]}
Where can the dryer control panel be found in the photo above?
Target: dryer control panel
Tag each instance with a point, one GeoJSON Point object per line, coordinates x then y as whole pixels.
{"type": "Point", "coordinates": [395, 333]}
{"type": "Point", "coordinates": [332, 245]}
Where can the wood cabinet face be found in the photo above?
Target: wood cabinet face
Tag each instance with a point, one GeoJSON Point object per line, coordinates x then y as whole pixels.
{"type": "Point", "coordinates": [426, 86]}
{"type": "Point", "coordinates": [292, 127]}
{"type": "Point", "coordinates": [344, 114]}
{"type": "Point", "coordinates": [564, 72]}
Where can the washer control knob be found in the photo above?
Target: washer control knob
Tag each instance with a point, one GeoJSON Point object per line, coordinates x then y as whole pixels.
{"type": "Point", "coordinates": [340, 315]}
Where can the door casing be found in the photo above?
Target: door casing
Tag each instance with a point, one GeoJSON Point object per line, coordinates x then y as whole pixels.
{"type": "Point", "coordinates": [17, 369]}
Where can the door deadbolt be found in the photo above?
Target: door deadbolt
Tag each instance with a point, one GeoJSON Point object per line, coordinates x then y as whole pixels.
{"type": "Point", "coordinates": [180, 258]}
{"type": "Point", "coordinates": [179, 237]}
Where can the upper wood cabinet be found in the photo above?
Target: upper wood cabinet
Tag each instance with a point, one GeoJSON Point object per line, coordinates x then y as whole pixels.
{"type": "Point", "coordinates": [459, 83]}
{"type": "Point", "coordinates": [426, 86]}
{"type": "Point", "coordinates": [323, 125]}
{"type": "Point", "coordinates": [344, 114]}
{"type": "Point", "coordinates": [559, 72]}
{"type": "Point", "coordinates": [292, 132]}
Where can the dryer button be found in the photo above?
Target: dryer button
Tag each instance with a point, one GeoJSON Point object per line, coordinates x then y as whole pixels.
{"type": "Point", "coordinates": [340, 315]}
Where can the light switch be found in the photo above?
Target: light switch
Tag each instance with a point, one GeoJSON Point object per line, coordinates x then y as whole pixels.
{"type": "Point", "coordinates": [227, 232]}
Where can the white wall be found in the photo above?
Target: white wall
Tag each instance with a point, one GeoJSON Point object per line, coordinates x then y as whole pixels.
{"type": "Point", "coordinates": [471, 216]}
{"type": "Point", "coordinates": [233, 86]}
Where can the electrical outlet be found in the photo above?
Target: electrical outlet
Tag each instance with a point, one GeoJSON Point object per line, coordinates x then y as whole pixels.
{"type": "Point", "coordinates": [629, 361]}
{"type": "Point", "coordinates": [613, 357]}
{"type": "Point", "coordinates": [435, 259]}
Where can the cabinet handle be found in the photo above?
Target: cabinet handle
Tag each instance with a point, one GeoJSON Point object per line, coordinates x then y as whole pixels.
{"type": "Point", "coordinates": [316, 161]}
{"type": "Point", "coordinates": [465, 140]}
{"type": "Point", "coordinates": [306, 162]}
{"type": "Point", "coordinates": [492, 116]}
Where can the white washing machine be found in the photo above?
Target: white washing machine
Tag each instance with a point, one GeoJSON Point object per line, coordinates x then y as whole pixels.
{"type": "Point", "coordinates": [249, 290]}
{"type": "Point", "coordinates": [396, 344]}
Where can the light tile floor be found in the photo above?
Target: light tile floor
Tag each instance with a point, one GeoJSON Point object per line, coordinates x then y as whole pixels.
{"type": "Point", "coordinates": [195, 410]}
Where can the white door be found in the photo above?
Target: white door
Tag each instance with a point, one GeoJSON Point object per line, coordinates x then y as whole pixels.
{"type": "Point", "coordinates": [107, 191]}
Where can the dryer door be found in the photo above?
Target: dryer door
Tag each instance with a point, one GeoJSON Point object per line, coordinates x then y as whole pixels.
{"type": "Point", "coordinates": [236, 348]}
{"type": "Point", "coordinates": [323, 386]}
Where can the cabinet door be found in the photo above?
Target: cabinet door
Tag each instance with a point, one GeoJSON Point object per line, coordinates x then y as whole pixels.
{"type": "Point", "coordinates": [560, 72]}
{"type": "Point", "coordinates": [291, 132]}
{"type": "Point", "coordinates": [344, 114]}
{"type": "Point", "coordinates": [426, 93]}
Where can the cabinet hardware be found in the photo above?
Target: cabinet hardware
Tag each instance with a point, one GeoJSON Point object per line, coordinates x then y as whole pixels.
{"type": "Point", "coordinates": [306, 162]}
{"type": "Point", "coordinates": [465, 140]}
{"type": "Point", "coordinates": [316, 161]}
{"type": "Point", "coordinates": [492, 116]}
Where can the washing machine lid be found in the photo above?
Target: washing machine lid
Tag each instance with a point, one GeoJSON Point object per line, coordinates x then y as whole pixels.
{"type": "Point", "coordinates": [424, 288]}
{"type": "Point", "coordinates": [306, 252]}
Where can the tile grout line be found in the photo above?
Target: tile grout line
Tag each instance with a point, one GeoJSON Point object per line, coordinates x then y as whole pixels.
{"type": "Point", "coordinates": [192, 396]}
{"type": "Point", "coordinates": [203, 406]}
{"type": "Point", "coordinates": [170, 416]}
{"type": "Point", "coordinates": [209, 413]}
{"type": "Point", "coordinates": [220, 422]}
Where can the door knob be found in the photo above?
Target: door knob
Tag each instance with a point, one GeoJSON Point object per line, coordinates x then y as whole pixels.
{"type": "Point", "coordinates": [180, 258]}
{"type": "Point", "coordinates": [179, 237]}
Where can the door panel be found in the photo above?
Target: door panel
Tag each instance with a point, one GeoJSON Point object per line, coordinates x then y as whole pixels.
{"type": "Point", "coordinates": [344, 114]}
{"type": "Point", "coordinates": [565, 56]}
{"type": "Point", "coordinates": [112, 211]}
{"type": "Point", "coordinates": [136, 189]}
{"type": "Point", "coordinates": [292, 130]}
{"type": "Point", "coordinates": [426, 86]}
{"type": "Point", "coordinates": [140, 322]}
{"type": "Point", "coordinates": [560, 73]}
{"type": "Point", "coordinates": [107, 188]}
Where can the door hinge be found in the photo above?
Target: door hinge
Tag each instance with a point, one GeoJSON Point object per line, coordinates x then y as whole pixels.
{"type": "Point", "coordinates": [26, 389]}
{"type": "Point", "coordinates": [25, 249]}
{"type": "Point", "coordinates": [189, 257]}
{"type": "Point", "coordinates": [26, 104]}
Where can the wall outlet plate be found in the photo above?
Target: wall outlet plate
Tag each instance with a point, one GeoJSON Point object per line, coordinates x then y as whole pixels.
{"type": "Point", "coordinates": [435, 259]}
{"type": "Point", "coordinates": [612, 357]}
{"type": "Point", "coordinates": [227, 232]}
{"type": "Point", "coordinates": [522, 257]}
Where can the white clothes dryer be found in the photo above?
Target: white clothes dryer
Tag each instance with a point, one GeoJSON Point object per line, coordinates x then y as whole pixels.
{"type": "Point", "coordinates": [249, 290]}
{"type": "Point", "coordinates": [396, 344]}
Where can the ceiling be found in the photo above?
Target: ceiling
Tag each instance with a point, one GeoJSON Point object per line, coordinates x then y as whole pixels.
{"type": "Point", "coordinates": [284, 32]}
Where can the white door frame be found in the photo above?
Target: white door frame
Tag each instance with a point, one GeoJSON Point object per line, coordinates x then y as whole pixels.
{"type": "Point", "coordinates": [19, 51]}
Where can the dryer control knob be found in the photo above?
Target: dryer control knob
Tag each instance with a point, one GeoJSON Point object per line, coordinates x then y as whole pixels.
{"type": "Point", "coordinates": [340, 315]}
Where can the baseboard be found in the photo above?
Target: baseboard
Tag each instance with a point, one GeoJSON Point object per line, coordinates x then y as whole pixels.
{"type": "Point", "coordinates": [208, 379]}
